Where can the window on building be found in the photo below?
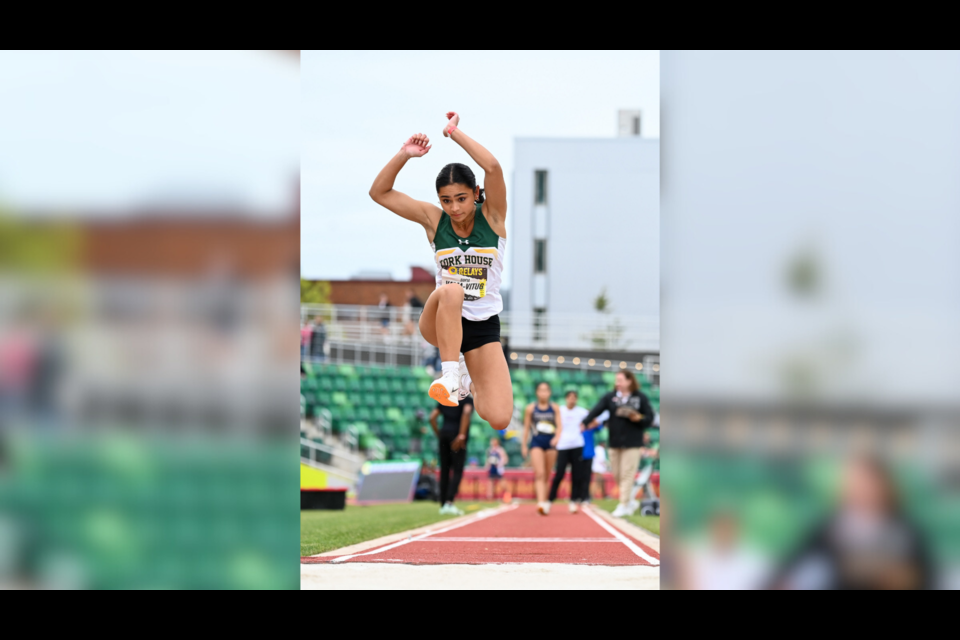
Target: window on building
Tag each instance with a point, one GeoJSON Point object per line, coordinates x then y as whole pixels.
{"type": "Point", "coordinates": [539, 325]}
{"type": "Point", "coordinates": [540, 178]}
{"type": "Point", "coordinates": [539, 256]}
{"type": "Point", "coordinates": [636, 125]}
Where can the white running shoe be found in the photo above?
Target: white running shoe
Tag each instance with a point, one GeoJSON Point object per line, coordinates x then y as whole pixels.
{"type": "Point", "coordinates": [620, 511]}
{"type": "Point", "coordinates": [465, 380]}
{"type": "Point", "coordinates": [455, 510]}
{"type": "Point", "coordinates": [632, 507]}
{"type": "Point", "coordinates": [444, 389]}
{"type": "Point", "coordinates": [540, 509]}
{"type": "Point", "coordinates": [573, 507]}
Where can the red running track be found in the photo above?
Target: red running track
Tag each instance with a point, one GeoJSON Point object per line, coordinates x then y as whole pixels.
{"type": "Point", "coordinates": [516, 534]}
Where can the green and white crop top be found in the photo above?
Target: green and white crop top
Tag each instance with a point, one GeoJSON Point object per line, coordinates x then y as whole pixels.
{"type": "Point", "coordinates": [475, 263]}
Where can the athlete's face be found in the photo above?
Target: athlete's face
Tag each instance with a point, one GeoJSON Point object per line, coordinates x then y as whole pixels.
{"type": "Point", "coordinates": [458, 200]}
{"type": "Point", "coordinates": [571, 400]}
{"type": "Point", "coordinates": [543, 393]}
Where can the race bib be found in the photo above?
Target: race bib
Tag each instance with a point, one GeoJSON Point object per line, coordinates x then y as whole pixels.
{"type": "Point", "coordinates": [546, 427]}
{"type": "Point", "coordinates": [472, 279]}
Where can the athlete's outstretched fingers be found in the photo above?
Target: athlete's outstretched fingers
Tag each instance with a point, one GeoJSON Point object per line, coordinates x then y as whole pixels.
{"type": "Point", "coordinates": [493, 390]}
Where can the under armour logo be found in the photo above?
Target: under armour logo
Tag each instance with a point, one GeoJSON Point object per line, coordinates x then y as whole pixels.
{"type": "Point", "coordinates": [463, 241]}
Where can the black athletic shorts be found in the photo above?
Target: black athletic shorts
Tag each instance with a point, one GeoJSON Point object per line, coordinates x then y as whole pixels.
{"type": "Point", "coordinates": [476, 334]}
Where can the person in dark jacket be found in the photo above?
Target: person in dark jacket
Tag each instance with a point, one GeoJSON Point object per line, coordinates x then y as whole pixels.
{"type": "Point", "coordinates": [630, 415]}
{"type": "Point", "coordinates": [869, 542]}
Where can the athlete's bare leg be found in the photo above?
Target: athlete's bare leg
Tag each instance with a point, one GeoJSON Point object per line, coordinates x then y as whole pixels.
{"type": "Point", "coordinates": [492, 390]}
{"type": "Point", "coordinates": [440, 322]}
{"type": "Point", "coordinates": [540, 473]}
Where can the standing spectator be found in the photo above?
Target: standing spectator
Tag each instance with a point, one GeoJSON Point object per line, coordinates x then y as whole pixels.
{"type": "Point", "coordinates": [570, 451]}
{"type": "Point", "coordinates": [412, 310]}
{"type": "Point", "coordinates": [452, 440]}
{"type": "Point", "coordinates": [306, 331]}
{"type": "Point", "coordinates": [587, 460]}
{"type": "Point", "coordinates": [496, 464]}
{"type": "Point", "coordinates": [384, 314]}
{"type": "Point", "coordinates": [630, 415]}
{"type": "Point", "coordinates": [650, 456]}
{"type": "Point", "coordinates": [317, 338]}
{"type": "Point", "coordinates": [599, 467]}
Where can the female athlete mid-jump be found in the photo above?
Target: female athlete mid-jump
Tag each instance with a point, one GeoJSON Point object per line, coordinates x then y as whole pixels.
{"type": "Point", "coordinates": [468, 236]}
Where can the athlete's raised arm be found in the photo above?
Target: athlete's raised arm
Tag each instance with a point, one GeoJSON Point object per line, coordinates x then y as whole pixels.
{"type": "Point", "coordinates": [401, 204]}
{"type": "Point", "coordinates": [494, 188]}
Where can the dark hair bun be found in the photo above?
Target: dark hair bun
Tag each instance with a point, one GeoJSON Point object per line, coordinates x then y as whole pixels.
{"type": "Point", "coordinates": [480, 198]}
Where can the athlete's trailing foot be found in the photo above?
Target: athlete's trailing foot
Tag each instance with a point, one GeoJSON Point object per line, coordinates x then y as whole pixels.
{"type": "Point", "coordinates": [446, 388]}
{"type": "Point", "coordinates": [465, 380]}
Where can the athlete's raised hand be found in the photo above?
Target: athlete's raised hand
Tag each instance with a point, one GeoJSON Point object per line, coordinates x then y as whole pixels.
{"type": "Point", "coordinates": [418, 145]}
{"type": "Point", "coordinates": [453, 120]}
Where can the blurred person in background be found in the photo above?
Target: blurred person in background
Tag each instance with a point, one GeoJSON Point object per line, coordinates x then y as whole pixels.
{"type": "Point", "coordinates": [598, 465]}
{"type": "Point", "coordinates": [723, 561]}
{"type": "Point", "coordinates": [630, 415]}
{"type": "Point", "coordinates": [318, 336]}
{"type": "Point", "coordinates": [383, 314]}
{"type": "Point", "coordinates": [543, 417]}
{"type": "Point", "coordinates": [467, 234]}
{"type": "Point", "coordinates": [306, 334]}
{"type": "Point", "coordinates": [587, 460]}
{"type": "Point", "coordinates": [570, 452]}
{"type": "Point", "coordinates": [452, 441]}
{"type": "Point", "coordinates": [649, 454]}
{"type": "Point", "coordinates": [427, 483]}
{"type": "Point", "coordinates": [866, 543]}
{"type": "Point", "coordinates": [496, 464]}
{"type": "Point", "coordinates": [411, 311]}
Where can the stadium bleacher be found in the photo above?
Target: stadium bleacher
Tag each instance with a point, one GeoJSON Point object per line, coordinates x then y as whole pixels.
{"type": "Point", "coordinates": [383, 411]}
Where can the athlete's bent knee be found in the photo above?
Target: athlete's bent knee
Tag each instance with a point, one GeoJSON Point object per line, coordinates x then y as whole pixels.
{"type": "Point", "coordinates": [451, 294]}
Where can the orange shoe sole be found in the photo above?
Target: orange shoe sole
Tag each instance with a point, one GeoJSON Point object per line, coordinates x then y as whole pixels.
{"type": "Point", "coordinates": [439, 393]}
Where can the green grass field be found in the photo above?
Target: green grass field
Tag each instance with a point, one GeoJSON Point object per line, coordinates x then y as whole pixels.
{"type": "Point", "coordinates": [326, 530]}
{"type": "Point", "coordinates": [650, 523]}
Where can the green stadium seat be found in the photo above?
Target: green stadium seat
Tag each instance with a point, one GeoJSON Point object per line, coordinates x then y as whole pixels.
{"type": "Point", "coordinates": [423, 385]}
{"type": "Point", "coordinates": [378, 414]}
{"type": "Point", "coordinates": [551, 376]}
{"type": "Point", "coordinates": [354, 399]}
{"type": "Point", "coordinates": [340, 384]}
{"type": "Point", "coordinates": [368, 385]}
{"type": "Point", "coordinates": [410, 386]}
{"type": "Point", "coordinates": [346, 371]}
{"type": "Point", "coordinates": [349, 413]}
{"type": "Point", "coordinates": [521, 375]}
{"type": "Point", "coordinates": [394, 414]}
{"type": "Point", "coordinates": [400, 400]}
{"type": "Point", "coordinates": [339, 397]}
{"type": "Point", "coordinates": [363, 413]}
{"type": "Point", "coordinates": [396, 386]}
{"type": "Point", "coordinates": [308, 384]}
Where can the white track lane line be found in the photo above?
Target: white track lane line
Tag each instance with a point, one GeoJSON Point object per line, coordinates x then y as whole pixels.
{"type": "Point", "coordinates": [479, 516]}
{"type": "Point", "coordinates": [622, 538]}
{"type": "Point", "coordinates": [523, 540]}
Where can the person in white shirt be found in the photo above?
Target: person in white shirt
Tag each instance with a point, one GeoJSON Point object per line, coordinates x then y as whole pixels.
{"type": "Point", "coordinates": [570, 451]}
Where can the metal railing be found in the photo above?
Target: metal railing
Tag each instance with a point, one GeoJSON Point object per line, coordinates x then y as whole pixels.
{"type": "Point", "coordinates": [327, 458]}
{"type": "Point", "coordinates": [393, 331]}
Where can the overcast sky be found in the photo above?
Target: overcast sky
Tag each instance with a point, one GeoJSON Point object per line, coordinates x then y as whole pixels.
{"type": "Point", "coordinates": [116, 131]}
{"type": "Point", "coordinates": [359, 107]}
